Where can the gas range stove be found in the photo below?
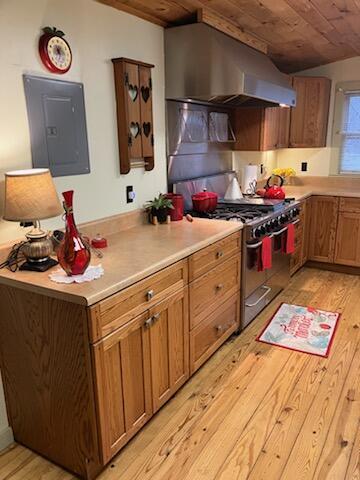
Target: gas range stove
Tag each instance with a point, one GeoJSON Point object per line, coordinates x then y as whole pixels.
{"type": "Point", "coordinates": [260, 218]}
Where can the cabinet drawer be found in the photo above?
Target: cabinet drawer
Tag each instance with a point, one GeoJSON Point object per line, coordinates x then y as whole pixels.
{"type": "Point", "coordinates": [213, 331]}
{"type": "Point", "coordinates": [348, 204]}
{"type": "Point", "coordinates": [210, 290]}
{"type": "Point", "coordinates": [211, 256]}
{"type": "Point", "coordinates": [113, 312]}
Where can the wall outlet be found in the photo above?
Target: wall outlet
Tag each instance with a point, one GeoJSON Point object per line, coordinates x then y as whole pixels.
{"type": "Point", "coordinates": [304, 166]}
{"type": "Point", "coordinates": [130, 194]}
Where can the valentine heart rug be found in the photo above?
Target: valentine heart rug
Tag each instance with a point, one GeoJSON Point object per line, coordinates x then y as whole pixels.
{"type": "Point", "coordinates": [304, 329]}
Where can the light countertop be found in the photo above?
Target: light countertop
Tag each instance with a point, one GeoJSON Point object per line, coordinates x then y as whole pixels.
{"type": "Point", "coordinates": [132, 255]}
{"type": "Point", "coordinates": [303, 192]}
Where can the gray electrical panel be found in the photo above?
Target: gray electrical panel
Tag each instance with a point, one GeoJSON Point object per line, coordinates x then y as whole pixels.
{"type": "Point", "coordinates": [57, 121]}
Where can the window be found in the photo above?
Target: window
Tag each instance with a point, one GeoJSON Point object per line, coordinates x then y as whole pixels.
{"type": "Point", "coordinates": [346, 136]}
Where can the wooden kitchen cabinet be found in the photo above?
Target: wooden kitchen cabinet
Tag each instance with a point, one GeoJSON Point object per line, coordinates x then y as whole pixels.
{"type": "Point", "coordinates": [309, 119]}
{"type": "Point", "coordinates": [322, 235]}
{"type": "Point", "coordinates": [258, 128]}
{"type": "Point", "coordinates": [96, 374]}
{"type": "Point", "coordinates": [133, 89]}
{"type": "Point", "coordinates": [123, 384]}
{"type": "Point", "coordinates": [139, 367]}
{"type": "Point", "coordinates": [169, 346]}
{"type": "Point", "coordinates": [347, 250]}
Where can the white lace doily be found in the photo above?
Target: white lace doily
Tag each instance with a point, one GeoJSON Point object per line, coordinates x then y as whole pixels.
{"type": "Point", "coordinates": [91, 273]}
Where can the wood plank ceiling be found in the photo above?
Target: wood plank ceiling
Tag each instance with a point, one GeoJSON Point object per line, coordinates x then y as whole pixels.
{"type": "Point", "coordinates": [299, 34]}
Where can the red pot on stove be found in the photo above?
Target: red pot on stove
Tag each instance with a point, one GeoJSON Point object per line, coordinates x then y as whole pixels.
{"type": "Point", "coordinates": [205, 201]}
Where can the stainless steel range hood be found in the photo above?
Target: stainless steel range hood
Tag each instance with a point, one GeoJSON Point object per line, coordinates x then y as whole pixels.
{"type": "Point", "coordinates": [205, 65]}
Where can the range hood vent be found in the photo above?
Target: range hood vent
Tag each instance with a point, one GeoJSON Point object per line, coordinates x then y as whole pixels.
{"type": "Point", "coordinates": [204, 65]}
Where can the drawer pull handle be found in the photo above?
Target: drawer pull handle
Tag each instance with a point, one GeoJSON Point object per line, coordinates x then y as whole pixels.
{"type": "Point", "coordinates": [219, 328]}
{"type": "Point", "coordinates": [219, 254]}
{"type": "Point", "coordinates": [156, 317]}
{"type": "Point", "coordinates": [219, 287]}
{"type": "Point", "coordinates": [149, 295]}
{"type": "Point", "coordinates": [148, 322]}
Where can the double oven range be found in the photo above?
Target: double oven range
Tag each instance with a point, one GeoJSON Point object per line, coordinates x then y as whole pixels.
{"type": "Point", "coordinates": [260, 218]}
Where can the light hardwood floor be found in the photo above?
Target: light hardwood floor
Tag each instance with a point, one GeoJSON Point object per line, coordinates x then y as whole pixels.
{"type": "Point", "coordinates": [253, 411]}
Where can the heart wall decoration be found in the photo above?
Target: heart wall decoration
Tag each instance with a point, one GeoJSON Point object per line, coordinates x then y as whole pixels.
{"type": "Point", "coordinates": [145, 93]}
{"type": "Point", "coordinates": [133, 92]}
{"type": "Point", "coordinates": [134, 129]}
{"type": "Point", "coordinates": [146, 128]}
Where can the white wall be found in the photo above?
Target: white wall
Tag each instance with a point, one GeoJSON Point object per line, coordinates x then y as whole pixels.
{"type": "Point", "coordinates": [96, 34]}
{"type": "Point", "coordinates": [321, 160]}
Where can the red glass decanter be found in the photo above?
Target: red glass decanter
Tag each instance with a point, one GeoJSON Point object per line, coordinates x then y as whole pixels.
{"type": "Point", "coordinates": [73, 254]}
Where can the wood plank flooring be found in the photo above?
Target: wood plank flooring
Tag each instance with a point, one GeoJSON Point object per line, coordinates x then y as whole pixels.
{"type": "Point", "coordinates": [253, 411]}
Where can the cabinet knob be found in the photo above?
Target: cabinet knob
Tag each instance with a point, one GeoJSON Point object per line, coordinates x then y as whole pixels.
{"type": "Point", "coordinates": [149, 295]}
{"type": "Point", "coordinates": [219, 328]}
{"type": "Point", "coordinates": [219, 287]}
{"type": "Point", "coordinates": [156, 317]}
{"type": "Point", "coordinates": [219, 254]}
{"type": "Point", "coordinates": [148, 322]}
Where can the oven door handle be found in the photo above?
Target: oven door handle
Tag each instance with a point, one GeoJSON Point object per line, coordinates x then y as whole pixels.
{"type": "Point", "coordinates": [265, 294]}
{"type": "Point", "coordinates": [257, 245]}
{"type": "Point", "coordinates": [280, 231]}
{"type": "Point", "coordinates": [296, 221]}
{"type": "Point", "coordinates": [254, 245]}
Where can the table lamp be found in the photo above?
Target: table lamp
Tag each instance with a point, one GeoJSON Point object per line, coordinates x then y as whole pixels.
{"type": "Point", "coordinates": [30, 196]}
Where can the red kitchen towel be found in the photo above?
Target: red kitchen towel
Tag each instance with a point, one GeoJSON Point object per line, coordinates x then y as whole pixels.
{"type": "Point", "coordinates": [288, 239]}
{"type": "Point", "coordinates": [265, 254]}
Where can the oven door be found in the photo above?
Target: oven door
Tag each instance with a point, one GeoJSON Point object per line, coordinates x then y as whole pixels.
{"type": "Point", "coordinates": [260, 288]}
{"type": "Point", "coordinates": [252, 278]}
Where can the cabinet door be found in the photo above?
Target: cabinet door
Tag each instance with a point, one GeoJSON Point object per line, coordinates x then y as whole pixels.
{"type": "Point", "coordinates": [132, 94]}
{"type": "Point", "coordinates": [169, 345]}
{"type": "Point", "coordinates": [348, 239]}
{"type": "Point", "coordinates": [309, 119]}
{"type": "Point", "coordinates": [248, 125]}
{"type": "Point", "coordinates": [123, 384]}
{"type": "Point", "coordinates": [284, 127]}
{"type": "Point", "coordinates": [271, 129]}
{"type": "Point", "coordinates": [147, 133]}
{"type": "Point", "coordinates": [324, 212]}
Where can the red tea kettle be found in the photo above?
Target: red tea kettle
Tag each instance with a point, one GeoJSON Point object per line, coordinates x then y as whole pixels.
{"type": "Point", "coordinates": [274, 191]}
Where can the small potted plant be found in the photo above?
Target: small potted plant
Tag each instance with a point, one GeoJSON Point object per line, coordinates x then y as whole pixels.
{"type": "Point", "coordinates": [159, 208]}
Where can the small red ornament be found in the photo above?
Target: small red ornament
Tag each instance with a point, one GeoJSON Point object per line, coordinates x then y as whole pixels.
{"type": "Point", "coordinates": [54, 50]}
{"type": "Point", "coordinates": [99, 242]}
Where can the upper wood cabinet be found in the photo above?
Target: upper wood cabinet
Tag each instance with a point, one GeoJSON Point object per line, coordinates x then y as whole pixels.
{"type": "Point", "coordinates": [309, 119]}
{"type": "Point", "coordinates": [258, 128]}
{"type": "Point", "coordinates": [133, 88]}
{"type": "Point", "coordinates": [323, 223]}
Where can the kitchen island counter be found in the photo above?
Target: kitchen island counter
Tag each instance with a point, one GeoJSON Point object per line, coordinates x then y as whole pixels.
{"type": "Point", "coordinates": [132, 255]}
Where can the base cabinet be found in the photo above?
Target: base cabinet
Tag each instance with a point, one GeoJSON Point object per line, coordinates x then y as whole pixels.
{"type": "Point", "coordinates": [169, 347]}
{"type": "Point", "coordinates": [81, 381]}
{"type": "Point", "coordinates": [347, 251]}
{"type": "Point", "coordinates": [323, 225]}
{"type": "Point", "coordinates": [123, 399]}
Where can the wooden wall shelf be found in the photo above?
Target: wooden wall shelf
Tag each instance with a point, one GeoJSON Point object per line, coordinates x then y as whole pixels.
{"type": "Point", "coordinates": [133, 88]}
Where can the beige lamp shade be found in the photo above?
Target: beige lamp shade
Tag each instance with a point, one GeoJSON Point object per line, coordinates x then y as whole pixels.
{"type": "Point", "coordinates": [30, 195]}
